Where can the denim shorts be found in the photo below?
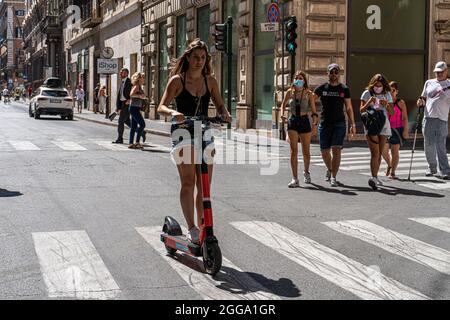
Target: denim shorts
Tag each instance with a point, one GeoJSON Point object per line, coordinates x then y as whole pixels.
{"type": "Point", "coordinates": [178, 142]}
{"type": "Point", "coordinates": [332, 135]}
{"type": "Point", "coordinates": [395, 139]}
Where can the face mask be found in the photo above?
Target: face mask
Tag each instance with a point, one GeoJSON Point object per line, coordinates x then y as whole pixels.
{"type": "Point", "coordinates": [299, 83]}
{"type": "Point", "coordinates": [378, 90]}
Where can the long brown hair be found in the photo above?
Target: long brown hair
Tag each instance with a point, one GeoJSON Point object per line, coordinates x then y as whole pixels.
{"type": "Point", "coordinates": [181, 65]}
{"type": "Point", "coordinates": [384, 81]}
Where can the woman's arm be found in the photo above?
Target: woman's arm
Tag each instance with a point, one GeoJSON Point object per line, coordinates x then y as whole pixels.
{"type": "Point", "coordinates": [217, 99]}
{"type": "Point", "coordinates": [312, 102]}
{"type": "Point", "coordinates": [402, 105]}
{"type": "Point", "coordinates": [284, 103]}
{"type": "Point", "coordinates": [173, 88]}
{"type": "Point", "coordinates": [365, 104]}
{"type": "Point", "coordinates": [136, 92]}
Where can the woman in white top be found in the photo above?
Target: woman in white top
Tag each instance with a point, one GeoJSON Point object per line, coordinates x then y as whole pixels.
{"type": "Point", "coordinates": [102, 99]}
{"type": "Point", "coordinates": [377, 97]}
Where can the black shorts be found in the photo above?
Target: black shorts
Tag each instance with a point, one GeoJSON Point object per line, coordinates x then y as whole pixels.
{"type": "Point", "coordinates": [300, 124]}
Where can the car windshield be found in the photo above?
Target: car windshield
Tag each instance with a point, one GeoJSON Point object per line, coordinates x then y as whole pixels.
{"type": "Point", "coordinates": [54, 93]}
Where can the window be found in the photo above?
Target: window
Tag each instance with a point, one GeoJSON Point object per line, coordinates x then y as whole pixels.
{"type": "Point", "coordinates": [19, 32]}
{"type": "Point", "coordinates": [163, 61]}
{"type": "Point", "coordinates": [181, 35]}
{"type": "Point", "coordinates": [20, 13]}
{"type": "Point", "coordinates": [388, 37]}
{"type": "Point", "coordinates": [203, 24]}
{"type": "Point", "coordinates": [264, 73]}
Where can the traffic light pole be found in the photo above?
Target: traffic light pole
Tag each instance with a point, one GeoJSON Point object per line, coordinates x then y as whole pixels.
{"type": "Point", "coordinates": [230, 60]}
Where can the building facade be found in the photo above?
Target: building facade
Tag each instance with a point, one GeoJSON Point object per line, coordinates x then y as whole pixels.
{"type": "Point", "coordinates": [11, 37]}
{"type": "Point", "coordinates": [42, 42]}
{"type": "Point", "coordinates": [399, 38]}
{"type": "Point", "coordinates": [99, 24]}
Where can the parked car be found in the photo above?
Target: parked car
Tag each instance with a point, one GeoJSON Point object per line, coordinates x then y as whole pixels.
{"type": "Point", "coordinates": [48, 100]}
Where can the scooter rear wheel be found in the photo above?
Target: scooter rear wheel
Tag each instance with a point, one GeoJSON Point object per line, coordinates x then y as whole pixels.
{"type": "Point", "coordinates": [212, 258]}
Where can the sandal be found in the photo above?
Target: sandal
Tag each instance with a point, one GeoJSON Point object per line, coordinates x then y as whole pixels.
{"type": "Point", "coordinates": [393, 176]}
{"type": "Point", "coordinates": [388, 171]}
{"type": "Point", "coordinates": [133, 146]}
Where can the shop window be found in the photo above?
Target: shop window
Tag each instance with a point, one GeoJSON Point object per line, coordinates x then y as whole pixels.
{"type": "Point", "coordinates": [181, 36]}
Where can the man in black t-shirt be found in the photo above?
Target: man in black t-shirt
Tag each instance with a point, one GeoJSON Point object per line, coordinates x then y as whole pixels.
{"type": "Point", "coordinates": [332, 129]}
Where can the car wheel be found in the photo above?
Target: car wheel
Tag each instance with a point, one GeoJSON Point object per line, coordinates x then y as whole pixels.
{"type": "Point", "coordinates": [70, 117]}
{"type": "Point", "coordinates": [36, 115]}
{"type": "Point", "coordinates": [63, 117]}
{"type": "Point", "coordinates": [29, 112]}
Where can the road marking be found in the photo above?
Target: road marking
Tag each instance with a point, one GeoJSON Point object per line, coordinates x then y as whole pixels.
{"type": "Point", "coordinates": [111, 146]}
{"type": "Point", "coordinates": [396, 243]}
{"type": "Point", "coordinates": [440, 223]}
{"type": "Point", "coordinates": [436, 186]}
{"type": "Point", "coordinates": [363, 281]}
{"type": "Point", "coordinates": [23, 145]}
{"type": "Point", "coordinates": [383, 166]}
{"type": "Point", "coordinates": [231, 283]}
{"type": "Point", "coordinates": [69, 145]}
{"type": "Point", "coordinates": [72, 267]}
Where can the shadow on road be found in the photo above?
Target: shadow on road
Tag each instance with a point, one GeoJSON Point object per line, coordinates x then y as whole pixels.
{"type": "Point", "coordinates": [6, 193]}
{"type": "Point", "coordinates": [331, 190]}
{"type": "Point", "coordinates": [240, 282]}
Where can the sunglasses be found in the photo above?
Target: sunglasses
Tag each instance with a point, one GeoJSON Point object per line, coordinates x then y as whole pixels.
{"type": "Point", "coordinates": [334, 71]}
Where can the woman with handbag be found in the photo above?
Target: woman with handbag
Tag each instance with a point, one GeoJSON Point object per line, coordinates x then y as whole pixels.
{"type": "Point", "coordinates": [376, 103]}
{"type": "Point", "coordinates": [301, 101]}
{"type": "Point", "coordinates": [399, 128]}
{"type": "Point", "coordinates": [137, 121]}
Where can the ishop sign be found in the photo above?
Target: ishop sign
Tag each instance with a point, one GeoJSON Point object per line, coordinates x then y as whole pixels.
{"type": "Point", "coordinates": [107, 66]}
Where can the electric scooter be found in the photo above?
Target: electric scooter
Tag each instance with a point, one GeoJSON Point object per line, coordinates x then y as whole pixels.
{"type": "Point", "coordinates": [208, 246]}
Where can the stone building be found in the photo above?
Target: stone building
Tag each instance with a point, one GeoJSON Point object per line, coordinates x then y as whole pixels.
{"type": "Point", "coordinates": [399, 38]}
{"type": "Point", "coordinates": [12, 13]}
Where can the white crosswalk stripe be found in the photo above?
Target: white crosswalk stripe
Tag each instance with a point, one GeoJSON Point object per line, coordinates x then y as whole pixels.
{"type": "Point", "coordinates": [396, 243]}
{"type": "Point", "coordinates": [69, 145]}
{"type": "Point", "coordinates": [23, 145]}
{"type": "Point", "coordinates": [71, 266]}
{"type": "Point", "coordinates": [206, 286]}
{"type": "Point", "coordinates": [363, 281]}
{"type": "Point", "coordinates": [440, 223]}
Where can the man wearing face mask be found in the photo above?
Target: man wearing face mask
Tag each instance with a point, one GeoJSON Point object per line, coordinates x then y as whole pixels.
{"type": "Point", "coordinates": [436, 97]}
{"type": "Point", "coordinates": [332, 129]}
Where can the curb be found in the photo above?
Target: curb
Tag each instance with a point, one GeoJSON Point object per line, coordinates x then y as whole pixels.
{"type": "Point", "coordinates": [112, 124]}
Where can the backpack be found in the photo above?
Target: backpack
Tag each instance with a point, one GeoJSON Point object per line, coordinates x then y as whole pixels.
{"type": "Point", "coordinates": [373, 121]}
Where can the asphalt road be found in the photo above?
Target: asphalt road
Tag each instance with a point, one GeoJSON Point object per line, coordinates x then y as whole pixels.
{"type": "Point", "coordinates": [79, 220]}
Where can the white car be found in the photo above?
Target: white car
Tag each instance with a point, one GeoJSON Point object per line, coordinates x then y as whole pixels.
{"type": "Point", "coordinates": [51, 101]}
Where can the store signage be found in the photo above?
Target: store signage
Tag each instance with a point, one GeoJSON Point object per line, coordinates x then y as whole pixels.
{"type": "Point", "coordinates": [107, 66]}
{"type": "Point", "coordinates": [270, 27]}
{"type": "Point", "coordinates": [374, 20]}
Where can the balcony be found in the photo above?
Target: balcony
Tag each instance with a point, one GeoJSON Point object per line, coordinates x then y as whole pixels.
{"type": "Point", "coordinates": [91, 16]}
{"type": "Point", "coordinates": [51, 24]}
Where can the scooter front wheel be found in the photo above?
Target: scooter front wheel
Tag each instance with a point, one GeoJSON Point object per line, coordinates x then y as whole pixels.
{"type": "Point", "coordinates": [212, 258]}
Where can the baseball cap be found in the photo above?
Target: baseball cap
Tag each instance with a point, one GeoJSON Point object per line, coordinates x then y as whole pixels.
{"type": "Point", "coordinates": [333, 66]}
{"type": "Point", "coordinates": [440, 66]}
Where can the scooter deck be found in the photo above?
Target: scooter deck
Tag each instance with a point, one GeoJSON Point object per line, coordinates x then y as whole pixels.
{"type": "Point", "coordinates": [181, 243]}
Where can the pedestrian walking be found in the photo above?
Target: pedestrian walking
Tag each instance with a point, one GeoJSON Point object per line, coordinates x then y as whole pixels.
{"type": "Point", "coordinates": [96, 100]}
{"type": "Point", "coordinates": [137, 121]}
{"type": "Point", "coordinates": [30, 91]}
{"type": "Point", "coordinates": [334, 95]}
{"type": "Point", "coordinates": [301, 103]}
{"type": "Point", "coordinates": [79, 95]}
{"type": "Point", "coordinates": [123, 101]}
{"type": "Point", "coordinates": [399, 130]}
{"type": "Point", "coordinates": [102, 99]}
{"type": "Point", "coordinates": [377, 101]}
{"type": "Point", "coordinates": [192, 86]}
{"type": "Point", "coordinates": [435, 98]}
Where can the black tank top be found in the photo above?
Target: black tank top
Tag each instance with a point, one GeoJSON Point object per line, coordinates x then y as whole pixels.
{"type": "Point", "coordinates": [186, 103]}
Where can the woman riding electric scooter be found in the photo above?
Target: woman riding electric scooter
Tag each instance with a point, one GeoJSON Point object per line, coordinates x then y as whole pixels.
{"type": "Point", "coordinates": [192, 87]}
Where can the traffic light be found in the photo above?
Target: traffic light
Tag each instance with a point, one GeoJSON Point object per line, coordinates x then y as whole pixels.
{"type": "Point", "coordinates": [291, 35]}
{"type": "Point", "coordinates": [221, 37]}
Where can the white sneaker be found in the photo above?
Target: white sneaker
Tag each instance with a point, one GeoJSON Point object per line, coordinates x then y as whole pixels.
{"type": "Point", "coordinates": [373, 183]}
{"type": "Point", "coordinates": [378, 181]}
{"type": "Point", "coordinates": [333, 182]}
{"type": "Point", "coordinates": [328, 175]}
{"type": "Point", "coordinates": [294, 184]}
{"type": "Point", "coordinates": [306, 177]}
{"type": "Point", "coordinates": [193, 234]}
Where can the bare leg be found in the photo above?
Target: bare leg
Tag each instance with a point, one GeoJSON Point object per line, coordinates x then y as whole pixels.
{"type": "Point", "coordinates": [293, 141]}
{"type": "Point", "coordinates": [305, 140]}
{"type": "Point", "coordinates": [336, 161]}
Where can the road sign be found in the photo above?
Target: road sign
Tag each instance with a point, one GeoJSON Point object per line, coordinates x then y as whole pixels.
{"type": "Point", "coordinates": [270, 27]}
{"type": "Point", "coordinates": [107, 66]}
{"type": "Point", "coordinates": [273, 13]}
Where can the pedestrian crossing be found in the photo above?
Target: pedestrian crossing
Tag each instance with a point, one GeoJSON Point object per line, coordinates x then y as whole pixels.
{"type": "Point", "coordinates": [72, 268]}
{"type": "Point", "coordinates": [360, 162]}
{"type": "Point", "coordinates": [66, 145]}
